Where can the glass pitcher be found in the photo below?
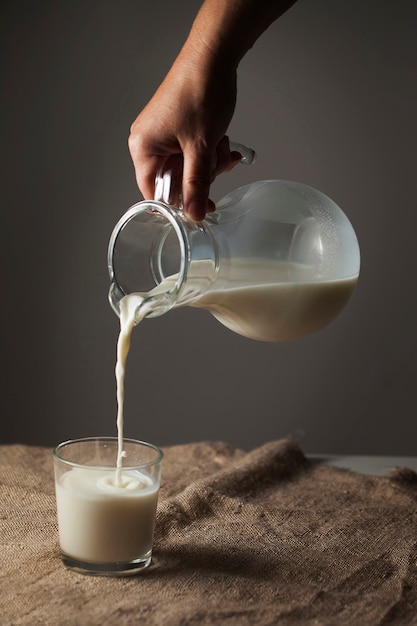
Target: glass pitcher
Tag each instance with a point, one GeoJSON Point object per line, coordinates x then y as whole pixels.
{"type": "Point", "coordinates": [277, 260]}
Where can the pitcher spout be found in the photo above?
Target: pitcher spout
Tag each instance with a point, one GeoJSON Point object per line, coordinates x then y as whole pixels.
{"type": "Point", "coordinates": [157, 302]}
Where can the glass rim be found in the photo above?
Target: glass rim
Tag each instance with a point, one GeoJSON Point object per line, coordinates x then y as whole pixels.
{"type": "Point", "coordinates": [69, 442]}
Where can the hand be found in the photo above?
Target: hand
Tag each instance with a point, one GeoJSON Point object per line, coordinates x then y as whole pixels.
{"type": "Point", "coordinates": [183, 128]}
{"type": "Point", "coordinates": [186, 120]}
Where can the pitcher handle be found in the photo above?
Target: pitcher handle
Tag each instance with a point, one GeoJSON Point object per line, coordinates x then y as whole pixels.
{"type": "Point", "coordinates": [169, 177]}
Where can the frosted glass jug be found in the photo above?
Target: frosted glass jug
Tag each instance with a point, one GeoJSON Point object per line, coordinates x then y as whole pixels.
{"type": "Point", "coordinates": [276, 261]}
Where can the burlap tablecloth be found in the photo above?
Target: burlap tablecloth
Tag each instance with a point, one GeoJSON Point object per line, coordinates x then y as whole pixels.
{"type": "Point", "coordinates": [258, 538]}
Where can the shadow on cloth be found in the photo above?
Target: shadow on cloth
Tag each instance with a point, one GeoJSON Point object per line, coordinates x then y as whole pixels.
{"type": "Point", "coordinates": [210, 560]}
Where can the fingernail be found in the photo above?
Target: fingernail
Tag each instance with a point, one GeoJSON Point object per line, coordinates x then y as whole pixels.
{"type": "Point", "coordinates": [195, 212]}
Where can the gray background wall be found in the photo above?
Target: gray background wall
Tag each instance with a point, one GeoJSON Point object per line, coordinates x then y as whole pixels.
{"type": "Point", "coordinates": [327, 97]}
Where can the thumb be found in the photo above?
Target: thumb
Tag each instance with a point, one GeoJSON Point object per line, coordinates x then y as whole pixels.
{"type": "Point", "coordinates": [197, 177]}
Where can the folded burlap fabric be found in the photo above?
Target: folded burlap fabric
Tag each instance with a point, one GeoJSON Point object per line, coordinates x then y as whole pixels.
{"type": "Point", "coordinates": [258, 538]}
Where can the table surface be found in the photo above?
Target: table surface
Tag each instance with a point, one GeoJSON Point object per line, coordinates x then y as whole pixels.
{"type": "Point", "coordinates": [366, 464]}
{"type": "Point", "coordinates": [242, 538]}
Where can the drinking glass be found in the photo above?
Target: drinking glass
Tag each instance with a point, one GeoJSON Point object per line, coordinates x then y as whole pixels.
{"type": "Point", "coordinates": [106, 515]}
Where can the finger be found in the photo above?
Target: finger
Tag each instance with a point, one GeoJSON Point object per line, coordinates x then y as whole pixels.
{"type": "Point", "coordinates": [197, 177]}
{"type": "Point", "coordinates": [222, 156]}
{"type": "Point", "coordinates": [235, 158]}
{"type": "Point", "coordinates": [146, 165]}
{"type": "Point", "coordinates": [146, 173]}
{"type": "Point", "coordinates": [211, 207]}
{"type": "Point", "coordinates": [152, 160]}
{"type": "Point", "coordinates": [168, 183]}
{"type": "Point", "coordinates": [225, 159]}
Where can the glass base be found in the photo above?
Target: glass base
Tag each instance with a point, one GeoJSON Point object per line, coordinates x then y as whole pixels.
{"type": "Point", "coordinates": [124, 568]}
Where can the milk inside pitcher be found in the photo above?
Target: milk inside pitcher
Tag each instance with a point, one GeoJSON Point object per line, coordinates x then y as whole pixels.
{"type": "Point", "coordinates": [278, 260]}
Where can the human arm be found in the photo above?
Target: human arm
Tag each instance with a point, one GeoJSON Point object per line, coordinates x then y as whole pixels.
{"type": "Point", "coordinates": [189, 114]}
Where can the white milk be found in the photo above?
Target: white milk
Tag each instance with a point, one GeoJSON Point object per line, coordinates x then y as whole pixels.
{"type": "Point", "coordinates": [102, 523]}
{"type": "Point", "coordinates": [278, 312]}
{"type": "Point", "coordinates": [281, 304]}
